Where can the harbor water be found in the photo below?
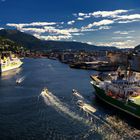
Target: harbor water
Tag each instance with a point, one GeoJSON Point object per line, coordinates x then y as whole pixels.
{"type": "Point", "coordinates": [26, 114]}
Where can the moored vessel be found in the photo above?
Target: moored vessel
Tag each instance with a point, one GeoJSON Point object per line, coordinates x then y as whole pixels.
{"type": "Point", "coordinates": [9, 61]}
{"type": "Point", "coordinates": [120, 90]}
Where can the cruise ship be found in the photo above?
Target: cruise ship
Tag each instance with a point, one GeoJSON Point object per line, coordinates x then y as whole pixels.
{"type": "Point", "coordinates": [9, 62]}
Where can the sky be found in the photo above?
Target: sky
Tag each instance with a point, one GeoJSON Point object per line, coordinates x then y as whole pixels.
{"type": "Point", "coordinates": [97, 22]}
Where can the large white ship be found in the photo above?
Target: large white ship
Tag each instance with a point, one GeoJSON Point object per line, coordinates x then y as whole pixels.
{"type": "Point", "coordinates": [9, 62]}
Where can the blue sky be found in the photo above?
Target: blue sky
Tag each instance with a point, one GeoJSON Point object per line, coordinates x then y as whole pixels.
{"type": "Point", "coordinates": [99, 22]}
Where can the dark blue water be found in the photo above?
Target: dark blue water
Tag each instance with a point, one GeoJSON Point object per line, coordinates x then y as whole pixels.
{"type": "Point", "coordinates": [25, 114]}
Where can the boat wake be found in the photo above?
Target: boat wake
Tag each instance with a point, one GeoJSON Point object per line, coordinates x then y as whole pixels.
{"type": "Point", "coordinates": [90, 111]}
{"type": "Point", "coordinates": [62, 108]}
{"type": "Point", "coordinates": [94, 125]}
{"type": "Point", "coordinates": [85, 105]}
{"type": "Point", "coordinates": [20, 80]}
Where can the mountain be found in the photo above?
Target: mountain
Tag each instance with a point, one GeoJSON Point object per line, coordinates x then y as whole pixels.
{"type": "Point", "coordinates": [9, 45]}
{"type": "Point", "coordinates": [71, 45]}
{"type": "Point", "coordinates": [26, 40]}
{"type": "Point", "coordinates": [30, 42]}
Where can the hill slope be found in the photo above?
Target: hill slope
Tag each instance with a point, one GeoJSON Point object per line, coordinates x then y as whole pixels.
{"type": "Point", "coordinates": [26, 40]}
{"type": "Point", "coordinates": [32, 43]}
{"type": "Point", "coordinates": [9, 45]}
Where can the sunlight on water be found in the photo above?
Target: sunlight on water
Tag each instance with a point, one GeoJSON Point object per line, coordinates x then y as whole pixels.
{"type": "Point", "coordinates": [123, 128]}
{"type": "Point", "coordinates": [9, 74]}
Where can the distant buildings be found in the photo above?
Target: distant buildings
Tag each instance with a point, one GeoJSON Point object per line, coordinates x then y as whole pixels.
{"type": "Point", "coordinates": [117, 57]}
{"type": "Point", "coordinates": [135, 62]}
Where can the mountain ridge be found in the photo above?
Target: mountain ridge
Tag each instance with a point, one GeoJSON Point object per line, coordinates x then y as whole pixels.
{"type": "Point", "coordinates": [32, 43]}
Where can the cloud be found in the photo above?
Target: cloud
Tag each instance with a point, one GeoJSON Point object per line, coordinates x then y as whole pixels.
{"type": "Point", "coordinates": [21, 25]}
{"type": "Point", "coordinates": [84, 29]}
{"type": "Point", "coordinates": [45, 27]}
{"type": "Point", "coordinates": [82, 14]}
{"type": "Point", "coordinates": [59, 37]}
{"type": "Point", "coordinates": [79, 18]}
{"type": "Point", "coordinates": [112, 14]}
{"type": "Point", "coordinates": [119, 44]}
{"type": "Point", "coordinates": [99, 23]}
{"type": "Point", "coordinates": [129, 17]}
{"type": "Point", "coordinates": [71, 22]}
{"type": "Point", "coordinates": [33, 30]}
{"type": "Point", "coordinates": [104, 27]}
{"type": "Point", "coordinates": [77, 34]}
{"type": "Point", "coordinates": [103, 14]}
{"type": "Point", "coordinates": [123, 32]}
{"type": "Point", "coordinates": [51, 32]}
{"type": "Point", "coordinates": [87, 30]}
{"type": "Point", "coordinates": [128, 21]}
{"type": "Point", "coordinates": [122, 37]}
{"type": "Point", "coordinates": [90, 43]}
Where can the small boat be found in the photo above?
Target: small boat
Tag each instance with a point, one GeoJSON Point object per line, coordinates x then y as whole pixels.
{"type": "Point", "coordinates": [82, 103]}
{"type": "Point", "coordinates": [120, 90]}
{"type": "Point", "coordinates": [86, 107]}
{"type": "Point", "coordinates": [45, 92]}
{"type": "Point", "coordinates": [77, 94]}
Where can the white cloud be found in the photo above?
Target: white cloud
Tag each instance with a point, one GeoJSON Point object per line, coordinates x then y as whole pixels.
{"type": "Point", "coordinates": [59, 37]}
{"type": "Point", "coordinates": [103, 14]}
{"type": "Point", "coordinates": [33, 30]}
{"type": "Point", "coordinates": [90, 43]}
{"type": "Point", "coordinates": [129, 37]}
{"type": "Point", "coordinates": [123, 32]}
{"type": "Point", "coordinates": [82, 14]}
{"type": "Point", "coordinates": [84, 29]}
{"type": "Point", "coordinates": [119, 44]}
{"type": "Point", "coordinates": [87, 16]}
{"type": "Point", "coordinates": [112, 14]}
{"type": "Point", "coordinates": [88, 30]}
{"type": "Point", "coordinates": [52, 33]}
{"type": "Point", "coordinates": [79, 18]}
{"type": "Point", "coordinates": [99, 23]}
{"type": "Point", "coordinates": [128, 21]}
{"type": "Point", "coordinates": [48, 29]}
{"type": "Point", "coordinates": [104, 27]}
{"type": "Point", "coordinates": [129, 17]}
{"type": "Point", "coordinates": [1, 28]}
{"type": "Point", "coordinates": [122, 37]}
{"type": "Point", "coordinates": [21, 25]}
{"type": "Point", "coordinates": [71, 22]}
{"type": "Point", "coordinates": [77, 34]}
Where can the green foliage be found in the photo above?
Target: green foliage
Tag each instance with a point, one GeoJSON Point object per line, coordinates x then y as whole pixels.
{"type": "Point", "coordinates": [8, 45]}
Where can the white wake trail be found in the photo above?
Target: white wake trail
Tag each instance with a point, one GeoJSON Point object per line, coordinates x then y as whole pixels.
{"type": "Point", "coordinates": [62, 108]}
{"type": "Point", "coordinates": [53, 101]}
{"type": "Point", "coordinates": [20, 80]}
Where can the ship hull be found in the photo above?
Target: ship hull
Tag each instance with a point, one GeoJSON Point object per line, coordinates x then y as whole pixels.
{"type": "Point", "coordinates": [11, 67]}
{"type": "Point", "coordinates": [127, 107]}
